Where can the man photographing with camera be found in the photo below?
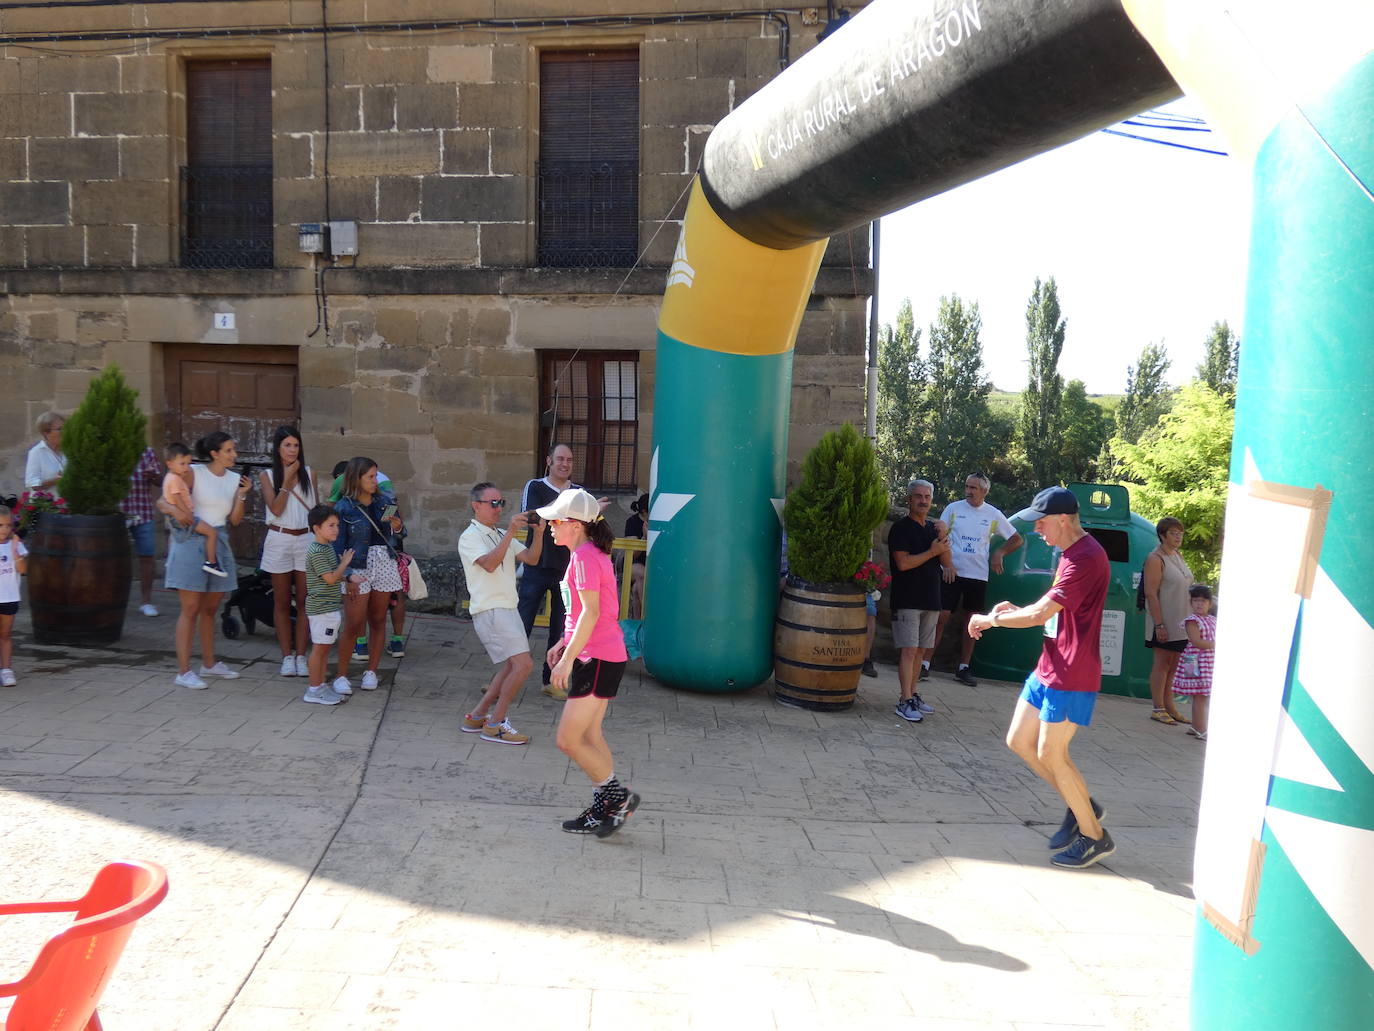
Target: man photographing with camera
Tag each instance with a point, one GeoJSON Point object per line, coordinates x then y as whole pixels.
{"type": "Point", "coordinates": [489, 556]}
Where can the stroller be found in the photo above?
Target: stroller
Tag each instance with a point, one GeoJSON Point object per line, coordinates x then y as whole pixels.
{"type": "Point", "coordinates": [253, 600]}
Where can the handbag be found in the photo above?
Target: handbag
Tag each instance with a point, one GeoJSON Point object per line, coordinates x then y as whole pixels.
{"type": "Point", "coordinates": [412, 582]}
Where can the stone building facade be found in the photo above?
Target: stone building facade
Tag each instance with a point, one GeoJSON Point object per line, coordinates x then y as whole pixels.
{"type": "Point", "coordinates": [444, 346]}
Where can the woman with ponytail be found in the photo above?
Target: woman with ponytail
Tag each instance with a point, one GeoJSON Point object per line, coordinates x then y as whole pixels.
{"type": "Point", "coordinates": [589, 661]}
{"type": "Point", "coordinates": [288, 493]}
{"type": "Point", "coordinates": [217, 494]}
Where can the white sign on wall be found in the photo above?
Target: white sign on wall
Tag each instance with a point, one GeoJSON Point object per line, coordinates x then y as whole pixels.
{"type": "Point", "coordinates": [1111, 641]}
{"type": "Point", "coordinates": [224, 320]}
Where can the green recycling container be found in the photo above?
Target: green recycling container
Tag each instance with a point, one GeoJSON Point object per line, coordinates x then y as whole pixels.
{"type": "Point", "coordinates": [1105, 511]}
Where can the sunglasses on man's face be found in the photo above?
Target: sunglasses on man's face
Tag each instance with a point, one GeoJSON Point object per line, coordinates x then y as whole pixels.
{"type": "Point", "coordinates": [496, 503]}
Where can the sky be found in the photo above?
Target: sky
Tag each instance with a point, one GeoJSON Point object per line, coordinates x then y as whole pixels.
{"type": "Point", "coordinates": [1147, 244]}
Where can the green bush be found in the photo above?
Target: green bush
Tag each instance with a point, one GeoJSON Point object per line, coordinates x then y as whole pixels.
{"type": "Point", "coordinates": [102, 441]}
{"type": "Point", "coordinates": [831, 515]}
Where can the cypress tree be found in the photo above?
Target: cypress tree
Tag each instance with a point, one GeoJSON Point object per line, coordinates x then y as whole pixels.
{"type": "Point", "coordinates": [102, 441]}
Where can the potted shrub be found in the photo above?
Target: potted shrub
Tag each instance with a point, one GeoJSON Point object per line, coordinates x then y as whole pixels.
{"type": "Point", "coordinates": [79, 562]}
{"type": "Point", "coordinates": [818, 643]}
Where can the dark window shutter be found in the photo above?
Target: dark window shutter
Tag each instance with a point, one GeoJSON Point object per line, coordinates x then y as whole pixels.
{"type": "Point", "coordinates": [226, 189]}
{"type": "Point", "coordinates": [588, 158]}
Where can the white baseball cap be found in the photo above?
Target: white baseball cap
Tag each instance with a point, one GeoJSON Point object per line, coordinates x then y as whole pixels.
{"type": "Point", "coordinates": [572, 504]}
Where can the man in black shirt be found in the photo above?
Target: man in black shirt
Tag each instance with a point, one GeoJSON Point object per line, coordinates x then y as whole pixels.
{"type": "Point", "coordinates": [918, 548]}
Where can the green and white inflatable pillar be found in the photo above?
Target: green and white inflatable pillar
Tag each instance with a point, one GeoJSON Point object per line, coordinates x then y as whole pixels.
{"type": "Point", "coordinates": [1285, 858]}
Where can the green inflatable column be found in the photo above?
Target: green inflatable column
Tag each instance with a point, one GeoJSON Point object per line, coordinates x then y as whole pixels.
{"type": "Point", "coordinates": [1285, 928]}
{"type": "Point", "coordinates": [723, 393]}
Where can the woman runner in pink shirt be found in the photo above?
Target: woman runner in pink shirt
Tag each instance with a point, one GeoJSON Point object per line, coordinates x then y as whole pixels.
{"type": "Point", "coordinates": [590, 659]}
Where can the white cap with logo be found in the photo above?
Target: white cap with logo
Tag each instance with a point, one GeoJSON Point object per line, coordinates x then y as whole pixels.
{"type": "Point", "coordinates": [572, 504]}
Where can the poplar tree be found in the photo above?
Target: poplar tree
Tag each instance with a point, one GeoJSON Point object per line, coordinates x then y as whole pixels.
{"type": "Point", "coordinates": [958, 428]}
{"type": "Point", "coordinates": [1146, 400]}
{"type": "Point", "coordinates": [901, 385]}
{"type": "Point", "coordinates": [1041, 423]}
{"type": "Point", "coordinates": [1221, 361]}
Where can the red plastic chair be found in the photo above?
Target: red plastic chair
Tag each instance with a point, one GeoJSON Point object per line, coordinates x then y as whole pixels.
{"type": "Point", "coordinates": [60, 991]}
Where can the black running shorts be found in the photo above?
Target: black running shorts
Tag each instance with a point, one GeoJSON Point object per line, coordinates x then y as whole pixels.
{"type": "Point", "coordinates": [597, 677]}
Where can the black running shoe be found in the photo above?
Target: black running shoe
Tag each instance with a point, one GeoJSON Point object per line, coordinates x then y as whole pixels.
{"type": "Point", "coordinates": [1084, 851]}
{"type": "Point", "coordinates": [587, 821]}
{"type": "Point", "coordinates": [965, 677]}
{"type": "Point", "coordinates": [617, 816]}
{"type": "Point", "coordinates": [925, 672]}
{"type": "Point", "coordinates": [1068, 830]}
{"type": "Point", "coordinates": [870, 670]}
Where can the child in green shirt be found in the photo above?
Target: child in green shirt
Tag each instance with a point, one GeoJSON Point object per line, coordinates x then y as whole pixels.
{"type": "Point", "coordinates": [324, 574]}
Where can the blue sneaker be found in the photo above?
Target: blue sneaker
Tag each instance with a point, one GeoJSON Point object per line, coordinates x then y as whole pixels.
{"type": "Point", "coordinates": [1068, 830]}
{"type": "Point", "coordinates": [921, 704]}
{"type": "Point", "coordinates": [1084, 851]}
{"type": "Point", "coordinates": [360, 647]}
{"type": "Point", "coordinates": [396, 647]}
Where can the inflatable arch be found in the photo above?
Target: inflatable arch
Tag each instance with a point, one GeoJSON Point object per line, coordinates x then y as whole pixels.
{"type": "Point", "coordinates": [914, 97]}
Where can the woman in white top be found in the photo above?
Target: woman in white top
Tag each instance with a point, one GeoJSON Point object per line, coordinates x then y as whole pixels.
{"type": "Point", "coordinates": [217, 494]}
{"type": "Point", "coordinates": [46, 462]}
{"type": "Point", "coordinates": [288, 491]}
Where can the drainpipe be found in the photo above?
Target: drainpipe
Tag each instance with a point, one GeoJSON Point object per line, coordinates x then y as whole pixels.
{"type": "Point", "coordinates": [871, 403]}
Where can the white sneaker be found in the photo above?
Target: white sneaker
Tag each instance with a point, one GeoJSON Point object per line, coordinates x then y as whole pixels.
{"type": "Point", "coordinates": [219, 669]}
{"type": "Point", "coordinates": [190, 680]}
{"type": "Point", "coordinates": [302, 666]}
{"type": "Point", "coordinates": [322, 696]}
{"type": "Point", "coordinates": [342, 686]}
{"type": "Point", "coordinates": [147, 610]}
{"type": "Point", "coordinates": [7, 678]}
{"type": "Point", "coordinates": [288, 666]}
{"type": "Point", "coordinates": [369, 681]}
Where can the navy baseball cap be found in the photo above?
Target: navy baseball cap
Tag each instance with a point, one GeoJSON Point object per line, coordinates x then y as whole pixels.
{"type": "Point", "coordinates": [1050, 501]}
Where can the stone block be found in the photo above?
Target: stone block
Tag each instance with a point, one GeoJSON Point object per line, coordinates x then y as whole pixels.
{"type": "Point", "coordinates": [510, 62]}
{"type": "Point", "coordinates": [379, 108]}
{"type": "Point", "coordinates": [63, 246]}
{"type": "Point", "coordinates": [513, 395]}
{"type": "Point", "coordinates": [513, 467]}
{"type": "Point", "coordinates": [109, 246]}
{"type": "Point", "coordinates": [762, 57]}
{"type": "Point", "coordinates": [144, 73]}
{"type": "Point", "coordinates": [398, 198]}
{"type": "Point", "coordinates": [94, 74]}
{"type": "Point", "coordinates": [434, 325]}
{"type": "Point", "coordinates": [372, 66]}
{"type": "Point", "coordinates": [510, 151]}
{"type": "Point", "coordinates": [696, 145]}
{"type": "Point", "coordinates": [496, 105]}
{"type": "Point", "coordinates": [302, 65]}
{"type": "Point", "coordinates": [54, 354]}
{"type": "Point", "coordinates": [427, 107]}
{"type": "Point", "coordinates": [467, 152]}
{"type": "Point", "coordinates": [848, 249]}
{"type": "Point", "coordinates": [119, 114]}
{"type": "Point", "coordinates": [122, 201]}
{"type": "Point", "coordinates": [722, 58]}
{"type": "Point", "coordinates": [75, 159]}
{"type": "Point", "coordinates": [399, 328]}
{"type": "Point", "coordinates": [455, 473]}
{"type": "Point", "coordinates": [810, 404]}
{"type": "Point", "coordinates": [302, 110]}
{"type": "Point", "coordinates": [293, 157]}
{"type": "Point", "coordinates": [685, 102]}
{"type": "Point", "coordinates": [473, 198]}
{"type": "Point", "coordinates": [14, 159]}
{"type": "Point", "coordinates": [327, 366]}
{"type": "Point", "coordinates": [416, 245]}
{"type": "Point", "coordinates": [663, 149]}
{"type": "Point", "coordinates": [460, 64]}
{"type": "Point", "coordinates": [153, 246]}
{"type": "Point", "coordinates": [325, 409]}
{"type": "Point", "coordinates": [828, 370]}
{"type": "Point", "coordinates": [42, 326]}
{"type": "Point", "coordinates": [482, 431]}
{"type": "Point", "coordinates": [145, 157]}
{"type": "Point", "coordinates": [13, 246]}
{"type": "Point", "coordinates": [846, 404]}
{"type": "Point", "coordinates": [396, 153]}
{"type": "Point", "coordinates": [814, 335]}
{"type": "Point", "coordinates": [451, 393]}
{"type": "Point", "coordinates": [664, 197]}
{"type": "Point", "coordinates": [491, 327]}
{"type": "Point", "coordinates": [501, 361]}
{"type": "Point", "coordinates": [353, 197]}
{"type": "Point", "coordinates": [504, 244]}
{"type": "Point", "coordinates": [34, 204]}
{"type": "Point", "coordinates": [674, 59]}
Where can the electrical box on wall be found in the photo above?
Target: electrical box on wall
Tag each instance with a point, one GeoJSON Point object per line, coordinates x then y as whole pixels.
{"type": "Point", "coordinates": [343, 238]}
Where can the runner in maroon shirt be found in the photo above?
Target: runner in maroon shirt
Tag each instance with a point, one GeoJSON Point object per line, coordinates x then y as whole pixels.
{"type": "Point", "coordinates": [1059, 696]}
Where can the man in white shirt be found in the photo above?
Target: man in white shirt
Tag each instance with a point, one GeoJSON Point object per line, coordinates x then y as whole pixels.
{"type": "Point", "coordinates": [972, 524]}
{"type": "Point", "coordinates": [489, 558]}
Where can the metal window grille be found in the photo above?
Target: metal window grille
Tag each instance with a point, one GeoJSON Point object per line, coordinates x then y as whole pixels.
{"type": "Point", "coordinates": [588, 213]}
{"type": "Point", "coordinates": [591, 403]}
{"type": "Point", "coordinates": [226, 216]}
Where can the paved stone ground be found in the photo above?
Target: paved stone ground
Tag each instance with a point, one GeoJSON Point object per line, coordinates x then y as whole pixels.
{"type": "Point", "coordinates": [368, 866]}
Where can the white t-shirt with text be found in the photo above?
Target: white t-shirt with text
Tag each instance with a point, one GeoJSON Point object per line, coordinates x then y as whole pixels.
{"type": "Point", "coordinates": [9, 573]}
{"type": "Point", "coordinates": [970, 536]}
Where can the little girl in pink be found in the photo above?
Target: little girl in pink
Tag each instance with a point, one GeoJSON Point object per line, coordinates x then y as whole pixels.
{"type": "Point", "coordinates": [1193, 680]}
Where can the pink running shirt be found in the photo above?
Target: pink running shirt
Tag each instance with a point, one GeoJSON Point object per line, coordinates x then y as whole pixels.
{"type": "Point", "coordinates": [590, 569]}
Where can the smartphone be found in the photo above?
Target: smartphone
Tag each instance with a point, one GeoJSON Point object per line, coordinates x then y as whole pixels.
{"type": "Point", "coordinates": [389, 511]}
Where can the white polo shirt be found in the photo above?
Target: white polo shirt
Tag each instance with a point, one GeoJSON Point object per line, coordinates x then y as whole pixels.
{"type": "Point", "coordinates": [488, 590]}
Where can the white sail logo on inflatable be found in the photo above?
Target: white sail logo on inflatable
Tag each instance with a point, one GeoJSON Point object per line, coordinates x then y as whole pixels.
{"type": "Point", "coordinates": [681, 272]}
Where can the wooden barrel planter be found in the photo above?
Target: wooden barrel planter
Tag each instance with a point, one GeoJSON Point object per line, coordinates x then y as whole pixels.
{"type": "Point", "coordinates": [79, 576]}
{"type": "Point", "coordinates": [818, 644]}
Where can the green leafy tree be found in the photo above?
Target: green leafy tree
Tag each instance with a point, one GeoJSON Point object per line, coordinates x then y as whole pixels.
{"type": "Point", "coordinates": [1179, 468]}
{"type": "Point", "coordinates": [831, 515]}
{"type": "Point", "coordinates": [1221, 362]}
{"type": "Point", "coordinates": [1041, 424]}
{"type": "Point", "coordinates": [1086, 430]}
{"type": "Point", "coordinates": [901, 385]}
{"type": "Point", "coordinates": [957, 427]}
{"type": "Point", "coordinates": [1146, 400]}
{"type": "Point", "coordinates": [102, 441]}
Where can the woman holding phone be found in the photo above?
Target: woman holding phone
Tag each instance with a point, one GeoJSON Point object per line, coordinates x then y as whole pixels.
{"type": "Point", "coordinates": [217, 493]}
{"type": "Point", "coordinates": [365, 514]}
{"type": "Point", "coordinates": [589, 661]}
{"type": "Point", "coordinates": [288, 492]}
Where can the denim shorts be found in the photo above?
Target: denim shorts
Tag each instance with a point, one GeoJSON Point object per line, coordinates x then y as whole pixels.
{"type": "Point", "coordinates": [1056, 706]}
{"type": "Point", "coordinates": [142, 534]}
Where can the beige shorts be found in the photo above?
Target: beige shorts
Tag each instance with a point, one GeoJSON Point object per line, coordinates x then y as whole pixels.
{"type": "Point", "coordinates": [915, 628]}
{"type": "Point", "coordinates": [502, 634]}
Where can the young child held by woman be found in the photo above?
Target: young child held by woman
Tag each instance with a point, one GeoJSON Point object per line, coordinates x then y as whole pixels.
{"type": "Point", "coordinates": [176, 491]}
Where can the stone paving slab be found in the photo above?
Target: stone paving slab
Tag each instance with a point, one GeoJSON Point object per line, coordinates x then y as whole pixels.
{"type": "Point", "coordinates": [370, 866]}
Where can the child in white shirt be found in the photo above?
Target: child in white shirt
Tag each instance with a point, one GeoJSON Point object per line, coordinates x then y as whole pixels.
{"type": "Point", "coordinates": [13, 565]}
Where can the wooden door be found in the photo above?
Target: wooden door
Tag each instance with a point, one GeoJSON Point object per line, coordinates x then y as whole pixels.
{"type": "Point", "coordinates": [245, 391]}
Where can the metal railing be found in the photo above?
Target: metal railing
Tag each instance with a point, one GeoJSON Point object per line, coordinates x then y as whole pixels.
{"type": "Point", "coordinates": [226, 216]}
{"type": "Point", "coordinates": [588, 213]}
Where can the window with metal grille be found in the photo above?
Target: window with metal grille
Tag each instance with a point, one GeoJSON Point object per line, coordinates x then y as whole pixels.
{"type": "Point", "coordinates": [590, 401]}
{"type": "Point", "coordinates": [588, 171]}
{"type": "Point", "coordinates": [226, 183]}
